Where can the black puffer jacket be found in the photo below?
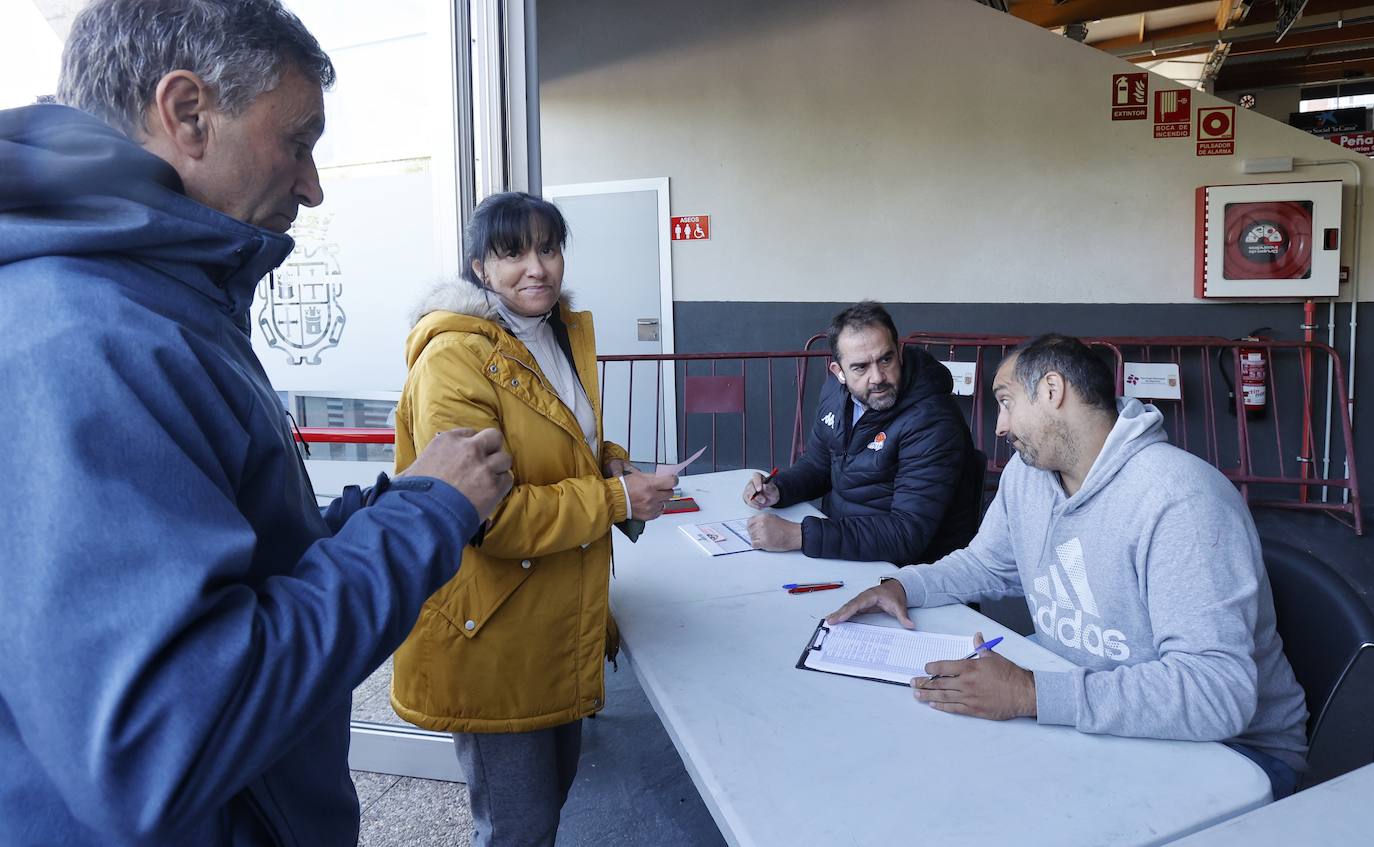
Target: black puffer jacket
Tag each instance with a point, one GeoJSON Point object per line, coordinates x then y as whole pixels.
{"type": "Point", "coordinates": [903, 486]}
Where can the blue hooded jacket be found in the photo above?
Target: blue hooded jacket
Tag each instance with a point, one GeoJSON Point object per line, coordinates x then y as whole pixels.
{"type": "Point", "coordinates": [180, 628]}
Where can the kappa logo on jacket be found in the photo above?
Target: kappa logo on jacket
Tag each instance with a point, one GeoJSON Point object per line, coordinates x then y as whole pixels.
{"type": "Point", "coordinates": [1063, 597]}
{"type": "Point", "coordinates": [829, 419]}
{"type": "Point", "coordinates": [879, 442]}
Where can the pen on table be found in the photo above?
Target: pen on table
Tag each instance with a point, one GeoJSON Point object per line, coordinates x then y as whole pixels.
{"type": "Point", "coordinates": [986, 645]}
{"type": "Point", "coordinates": [807, 587]}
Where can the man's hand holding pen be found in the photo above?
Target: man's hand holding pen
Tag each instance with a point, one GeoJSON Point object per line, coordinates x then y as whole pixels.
{"type": "Point", "coordinates": [760, 492]}
{"type": "Point", "coordinates": [989, 686]}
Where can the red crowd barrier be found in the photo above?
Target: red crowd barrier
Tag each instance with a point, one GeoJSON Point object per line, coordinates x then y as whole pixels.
{"type": "Point", "coordinates": [1275, 460]}
{"type": "Point", "coordinates": [1279, 460]}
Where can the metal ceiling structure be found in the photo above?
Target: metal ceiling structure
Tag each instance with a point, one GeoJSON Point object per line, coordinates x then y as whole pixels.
{"type": "Point", "coordinates": [1222, 45]}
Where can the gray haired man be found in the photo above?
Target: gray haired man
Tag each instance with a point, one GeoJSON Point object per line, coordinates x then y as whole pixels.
{"type": "Point", "coordinates": [182, 627]}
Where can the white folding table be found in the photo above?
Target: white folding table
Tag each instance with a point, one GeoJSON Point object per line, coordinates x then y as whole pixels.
{"type": "Point", "coordinates": [1336, 812]}
{"type": "Point", "coordinates": [789, 757]}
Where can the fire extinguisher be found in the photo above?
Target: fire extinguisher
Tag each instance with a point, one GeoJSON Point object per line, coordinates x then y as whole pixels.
{"type": "Point", "coordinates": [1254, 375]}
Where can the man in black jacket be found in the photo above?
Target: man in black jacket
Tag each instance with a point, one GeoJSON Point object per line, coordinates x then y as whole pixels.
{"type": "Point", "coordinates": [889, 451]}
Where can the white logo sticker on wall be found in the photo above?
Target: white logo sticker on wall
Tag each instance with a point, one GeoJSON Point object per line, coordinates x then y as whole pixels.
{"type": "Point", "coordinates": [300, 313]}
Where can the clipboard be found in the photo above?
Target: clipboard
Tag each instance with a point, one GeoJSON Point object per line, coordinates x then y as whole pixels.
{"type": "Point", "coordinates": [911, 649]}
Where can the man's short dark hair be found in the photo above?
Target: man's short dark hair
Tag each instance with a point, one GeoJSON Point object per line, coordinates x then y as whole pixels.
{"type": "Point", "coordinates": [864, 313]}
{"type": "Point", "coordinates": [1072, 359]}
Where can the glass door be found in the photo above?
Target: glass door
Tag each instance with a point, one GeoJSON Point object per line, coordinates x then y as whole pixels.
{"type": "Point", "coordinates": [429, 114]}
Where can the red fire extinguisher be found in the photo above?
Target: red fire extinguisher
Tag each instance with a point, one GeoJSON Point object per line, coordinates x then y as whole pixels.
{"type": "Point", "coordinates": [1254, 375]}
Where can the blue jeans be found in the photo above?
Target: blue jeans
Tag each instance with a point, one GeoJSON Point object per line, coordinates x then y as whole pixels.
{"type": "Point", "coordinates": [1283, 780]}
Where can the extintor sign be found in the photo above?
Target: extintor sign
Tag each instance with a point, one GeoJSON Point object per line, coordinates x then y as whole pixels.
{"type": "Point", "coordinates": [1128, 97]}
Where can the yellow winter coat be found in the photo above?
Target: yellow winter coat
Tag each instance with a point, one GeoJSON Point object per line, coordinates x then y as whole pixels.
{"type": "Point", "coordinates": [516, 641]}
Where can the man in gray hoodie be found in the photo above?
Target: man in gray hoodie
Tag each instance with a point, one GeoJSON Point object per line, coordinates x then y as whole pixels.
{"type": "Point", "coordinates": [1140, 564]}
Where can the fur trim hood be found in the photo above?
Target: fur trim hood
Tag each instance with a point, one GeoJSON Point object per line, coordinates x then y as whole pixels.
{"type": "Point", "coordinates": [463, 298]}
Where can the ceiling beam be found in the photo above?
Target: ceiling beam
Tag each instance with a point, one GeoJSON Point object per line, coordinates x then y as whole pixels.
{"type": "Point", "coordinates": [1267, 12]}
{"type": "Point", "coordinates": [1319, 38]}
{"type": "Point", "coordinates": [1229, 11]}
{"type": "Point", "coordinates": [1250, 32]}
{"type": "Point", "coordinates": [1049, 14]}
{"type": "Point", "coordinates": [1198, 28]}
{"type": "Point", "coordinates": [1339, 67]}
{"type": "Point", "coordinates": [1165, 55]}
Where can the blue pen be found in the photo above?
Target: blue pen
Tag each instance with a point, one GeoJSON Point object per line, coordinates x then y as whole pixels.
{"type": "Point", "coordinates": [986, 645]}
{"type": "Point", "coordinates": [791, 585]}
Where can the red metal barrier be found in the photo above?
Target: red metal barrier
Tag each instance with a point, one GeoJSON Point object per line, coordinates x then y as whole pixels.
{"type": "Point", "coordinates": [345, 435]}
{"type": "Point", "coordinates": [1256, 454]}
{"type": "Point", "coordinates": [712, 392]}
{"type": "Point", "coordinates": [706, 391]}
{"type": "Point", "coordinates": [1250, 452]}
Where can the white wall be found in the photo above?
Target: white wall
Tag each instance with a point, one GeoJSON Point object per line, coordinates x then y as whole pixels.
{"type": "Point", "coordinates": [377, 239]}
{"type": "Point", "coordinates": [30, 54]}
{"type": "Point", "coordinates": [920, 152]}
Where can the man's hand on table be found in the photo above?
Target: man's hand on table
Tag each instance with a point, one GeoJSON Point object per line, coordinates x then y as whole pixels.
{"type": "Point", "coordinates": [887, 596]}
{"type": "Point", "coordinates": [989, 686]}
{"type": "Point", "coordinates": [770, 532]}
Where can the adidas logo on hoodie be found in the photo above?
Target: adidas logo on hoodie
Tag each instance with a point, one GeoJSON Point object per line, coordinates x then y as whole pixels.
{"type": "Point", "coordinates": [1062, 598]}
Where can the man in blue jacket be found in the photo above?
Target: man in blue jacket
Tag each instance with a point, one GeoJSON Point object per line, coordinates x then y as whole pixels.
{"type": "Point", "coordinates": [181, 628]}
{"type": "Point", "coordinates": [889, 451]}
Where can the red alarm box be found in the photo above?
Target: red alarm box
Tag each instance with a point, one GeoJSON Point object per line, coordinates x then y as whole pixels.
{"type": "Point", "coordinates": [1269, 240]}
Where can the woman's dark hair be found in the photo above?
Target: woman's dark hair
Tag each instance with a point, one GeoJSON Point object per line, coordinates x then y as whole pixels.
{"type": "Point", "coordinates": [1091, 377]}
{"type": "Point", "coordinates": [510, 223]}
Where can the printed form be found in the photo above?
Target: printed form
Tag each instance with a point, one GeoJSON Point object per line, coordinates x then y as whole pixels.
{"type": "Point", "coordinates": [882, 652]}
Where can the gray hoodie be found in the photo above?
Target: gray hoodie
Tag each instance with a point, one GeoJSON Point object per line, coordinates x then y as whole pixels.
{"type": "Point", "coordinates": [1151, 581]}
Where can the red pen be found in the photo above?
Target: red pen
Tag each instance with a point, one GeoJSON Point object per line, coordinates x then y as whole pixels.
{"type": "Point", "coordinates": [764, 484]}
{"type": "Point", "coordinates": [808, 587]}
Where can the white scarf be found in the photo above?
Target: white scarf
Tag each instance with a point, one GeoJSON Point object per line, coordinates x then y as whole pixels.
{"type": "Point", "coordinates": [536, 334]}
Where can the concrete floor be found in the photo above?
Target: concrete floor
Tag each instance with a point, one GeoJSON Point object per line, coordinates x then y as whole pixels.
{"type": "Point", "coordinates": [631, 787]}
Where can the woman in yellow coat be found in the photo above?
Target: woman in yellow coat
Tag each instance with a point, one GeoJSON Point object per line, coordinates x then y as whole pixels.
{"type": "Point", "coordinates": [509, 655]}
